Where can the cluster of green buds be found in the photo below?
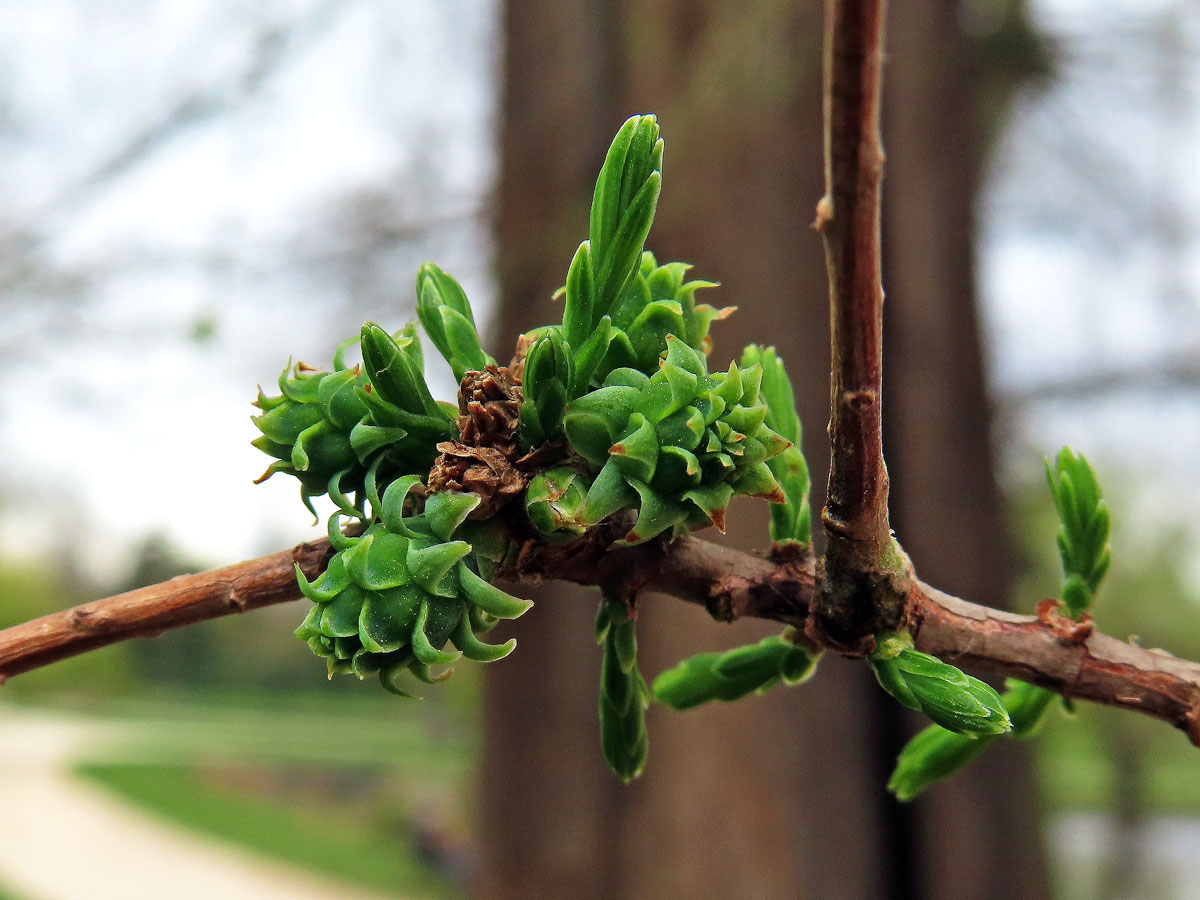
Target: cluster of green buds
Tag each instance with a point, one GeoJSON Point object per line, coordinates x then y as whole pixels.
{"type": "Point", "coordinates": [1082, 538]}
{"type": "Point", "coordinates": [392, 597]}
{"type": "Point", "coordinates": [326, 428]}
{"type": "Point", "coordinates": [611, 414]}
{"type": "Point", "coordinates": [676, 445]}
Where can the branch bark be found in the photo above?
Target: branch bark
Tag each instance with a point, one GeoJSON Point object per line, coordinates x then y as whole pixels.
{"type": "Point", "coordinates": [858, 598]}
{"type": "Point", "coordinates": [729, 583]}
{"type": "Point", "coordinates": [149, 611]}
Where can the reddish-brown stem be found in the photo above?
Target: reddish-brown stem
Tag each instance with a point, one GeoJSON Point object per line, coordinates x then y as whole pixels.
{"type": "Point", "coordinates": [859, 595]}
{"type": "Point", "coordinates": [729, 583]}
{"type": "Point", "coordinates": [149, 611]}
{"type": "Point", "coordinates": [855, 514]}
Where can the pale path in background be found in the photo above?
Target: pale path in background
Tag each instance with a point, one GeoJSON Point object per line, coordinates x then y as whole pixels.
{"type": "Point", "coordinates": [62, 838]}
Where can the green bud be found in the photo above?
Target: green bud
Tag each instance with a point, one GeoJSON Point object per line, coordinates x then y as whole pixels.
{"type": "Point", "coordinates": [624, 695]}
{"type": "Point", "coordinates": [548, 374]}
{"type": "Point", "coordinates": [554, 501]}
{"type": "Point", "coordinates": [1083, 531]}
{"type": "Point", "coordinates": [391, 599]}
{"type": "Point", "coordinates": [393, 374]}
{"type": "Point", "coordinates": [936, 753]}
{"type": "Point", "coordinates": [446, 315]}
{"type": "Point", "coordinates": [623, 208]}
{"type": "Point", "coordinates": [677, 445]}
{"type": "Point", "coordinates": [735, 673]}
{"type": "Point", "coordinates": [953, 699]}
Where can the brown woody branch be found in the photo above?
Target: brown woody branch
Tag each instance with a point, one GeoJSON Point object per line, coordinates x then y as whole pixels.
{"type": "Point", "coordinates": [149, 611]}
{"type": "Point", "coordinates": [729, 583]}
{"type": "Point", "coordinates": [848, 218]}
{"type": "Point", "coordinates": [859, 596]}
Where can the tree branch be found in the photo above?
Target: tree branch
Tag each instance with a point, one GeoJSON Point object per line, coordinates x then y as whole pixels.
{"type": "Point", "coordinates": [729, 583]}
{"type": "Point", "coordinates": [856, 599]}
{"type": "Point", "coordinates": [149, 611]}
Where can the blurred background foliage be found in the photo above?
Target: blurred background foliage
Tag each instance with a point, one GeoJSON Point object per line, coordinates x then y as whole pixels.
{"type": "Point", "coordinates": [195, 191]}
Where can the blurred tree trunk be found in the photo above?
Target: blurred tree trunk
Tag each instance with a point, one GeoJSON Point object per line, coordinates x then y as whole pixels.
{"type": "Point", "coordinates": [946, 509]}
{"type": "Point", "coordinates": [774, 797]}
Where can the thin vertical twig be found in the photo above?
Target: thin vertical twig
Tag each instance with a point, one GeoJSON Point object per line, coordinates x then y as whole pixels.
{"type": "Point", "coordinates": [855, 517]}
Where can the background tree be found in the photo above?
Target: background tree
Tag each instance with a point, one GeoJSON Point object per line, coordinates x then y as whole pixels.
{"type": "Point", "coordinates": [737, 88]}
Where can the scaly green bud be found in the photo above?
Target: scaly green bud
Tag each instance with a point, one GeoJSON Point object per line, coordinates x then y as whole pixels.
{"type": "Point", "coordinates": [624, 695]}
{"type": "Point", "coordinates": [554, 500]}
{"type": "Point", "coordinates": [736, 673]}
{"type": "Point", "coordinates": [391, 598]}
{"type": "Point", "coordinates": [956, 701]}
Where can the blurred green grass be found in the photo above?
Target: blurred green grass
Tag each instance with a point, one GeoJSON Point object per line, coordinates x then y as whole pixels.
{"type": "Point", "coordinates": [334, 783]}
{"type": "Point", "coordinates": [337, 729]}
{"type": "Point", "coordinates": [362, 850]}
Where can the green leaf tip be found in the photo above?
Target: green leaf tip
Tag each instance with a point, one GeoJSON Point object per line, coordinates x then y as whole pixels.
{"type": "Point", "coordinates": [446, 316]}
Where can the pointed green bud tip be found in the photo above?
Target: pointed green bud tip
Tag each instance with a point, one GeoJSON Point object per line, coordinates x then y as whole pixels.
{"type": "Point", "coordinates": [956, 701]}
{"type": "Point", "coordinates": [1084, 528]}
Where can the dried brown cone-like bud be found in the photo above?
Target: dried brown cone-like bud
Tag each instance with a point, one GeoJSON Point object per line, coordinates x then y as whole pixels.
{"type": "Point", "coordinates": [486, 471]}
{"type": "Point", "coordinates": [489, 404]}
{"type": "Point", "coordinates": [481, 460]}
